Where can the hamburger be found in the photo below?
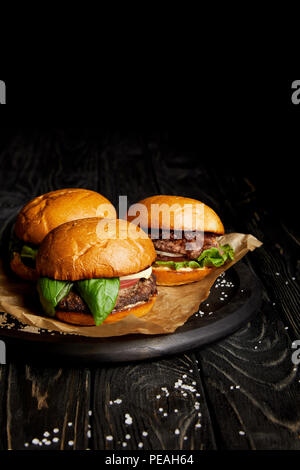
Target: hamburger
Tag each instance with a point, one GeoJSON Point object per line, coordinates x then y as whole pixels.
{"type": "Point", "coordinates": [93, 271]}
{"type": "Point", "coordinates": [185, 234]}
{"type": "Point", "coordinates": [44, 213]}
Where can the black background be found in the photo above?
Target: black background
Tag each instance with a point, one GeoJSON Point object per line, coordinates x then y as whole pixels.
{"type": "Point", "coordinates": [247, 125]}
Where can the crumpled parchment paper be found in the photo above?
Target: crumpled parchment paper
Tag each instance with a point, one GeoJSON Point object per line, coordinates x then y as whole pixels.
{"type": "Point", "coordinates": [173, 307]}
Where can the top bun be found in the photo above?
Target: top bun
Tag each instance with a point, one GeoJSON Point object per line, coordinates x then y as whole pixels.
{"type": "Point", "coordinates": [94, 248]}
{"type": "Point", "coordinates": [46, 212]}
{"type": "Point", "coordinates": [199, 217]}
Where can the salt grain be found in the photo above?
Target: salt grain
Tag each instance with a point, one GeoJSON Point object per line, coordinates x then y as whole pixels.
{"type": "Point", "coordinates": [109, 438]}
{"type": "Point", "coordinates": [128, 419]}
{"type": "Point", "coordinates": [242, 433]}
{"type": "Point", "coordinates": [177, 431]}
{"type": "Point", "coordinates": [144, 433]}
{"type": "Point", "coordinates": [140, 444]}
{"type": "Point", "coordinates": [128, 436]}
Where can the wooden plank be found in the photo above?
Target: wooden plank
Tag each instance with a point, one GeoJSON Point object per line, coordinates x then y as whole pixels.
{"type": "Point", "coordinates": [258, 358]}
{"type": "Point", "coordinates": [152, 405]}
{"type": "Point", "coordinates": [266, 401]}
{"type": "Point", "coordinates": [47, 408]}
{"type": "Point", "coordinates": [276, 262]}
{"type": "Point", "coordinates": [253, 387]}
{"type": "Point", "coordinates": [3, 389]}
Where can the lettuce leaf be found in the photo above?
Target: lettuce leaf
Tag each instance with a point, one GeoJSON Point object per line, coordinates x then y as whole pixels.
{"type": "Point", "coordinates": [100, 295]}
{"type": "Point", "coordinates": [28, 252]}
{"type": "Point", "coordinates": [179, 264]}
{"type": "Point", "coordinates": [212, 257]}
{"type": "Point", "coordinates": [216, 256]}
{"type": "Point", "coordinates": [15, 246]}
{"type": "Point", "coordinates": [51, 292]}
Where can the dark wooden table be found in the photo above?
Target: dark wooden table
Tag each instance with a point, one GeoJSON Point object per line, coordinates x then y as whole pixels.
{"type": "Point", "coordinates": [241, 393]}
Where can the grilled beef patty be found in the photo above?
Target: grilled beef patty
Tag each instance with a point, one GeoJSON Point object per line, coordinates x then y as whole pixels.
{"type": "Point", "coordinates": [176, 245]}
{"type": "Point", "coordinates": [140, 292]}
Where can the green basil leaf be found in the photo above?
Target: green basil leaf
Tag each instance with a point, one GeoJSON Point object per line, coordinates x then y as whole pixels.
{"type": "Point", "coordinates": [216, 256]}
{"type": "Point", "coordinates": [29, 252]}
{"type": "Point", "coordinates": [100, 295]}
{"type": "Point", "coordinates": [51, 292]}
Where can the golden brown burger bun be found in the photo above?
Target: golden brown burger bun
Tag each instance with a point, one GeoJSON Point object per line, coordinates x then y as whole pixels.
{"type": "Point", "coordinates": [23, 271]}
{"type": "Point", "coordinates": [201, 217]}
{"type": "Point", "coordinates": [94, 248]}
{"type": "Point", "coordinates": [171, 277]}
{"type": "Point", "coordinates": [50, 210]}
{"type": "Point", "coordinates": [84, 319]}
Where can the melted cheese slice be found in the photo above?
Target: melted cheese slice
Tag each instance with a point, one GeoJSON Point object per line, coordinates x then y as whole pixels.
{"type": "Point", "coordinates": [142, 274]}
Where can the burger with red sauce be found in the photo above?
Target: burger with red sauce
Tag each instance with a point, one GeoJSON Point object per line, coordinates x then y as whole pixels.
{"type": "Point", "coordinates": [94, 271]}
{"type": "Point", "coordinates": [185, 234]}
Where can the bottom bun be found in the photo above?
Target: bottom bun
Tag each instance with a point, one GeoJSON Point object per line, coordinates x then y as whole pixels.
{"type": "Point", "coordinates": [170, 277]}
{"type": "Point", "coordinates": [86, 319]}
{"type": "Point", "coordinates": [19, 268]}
